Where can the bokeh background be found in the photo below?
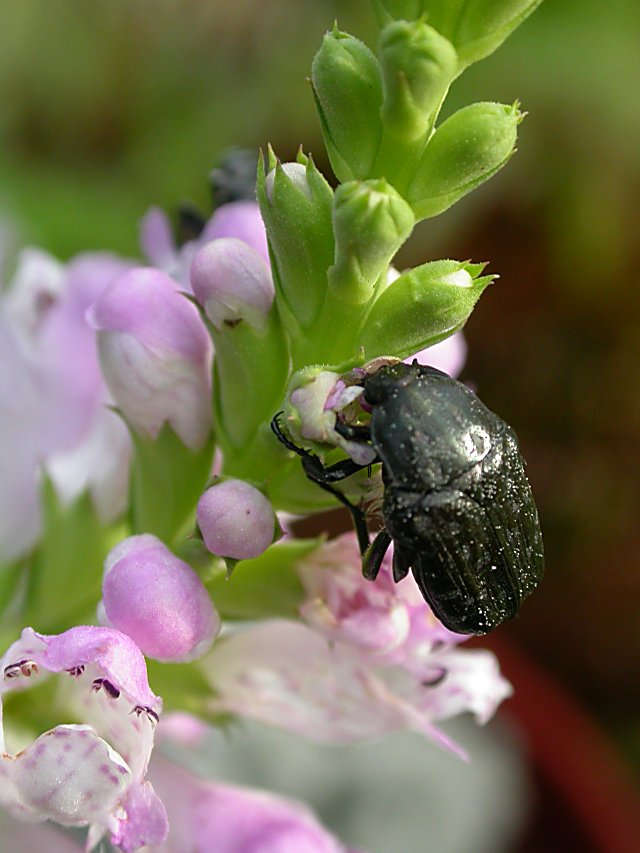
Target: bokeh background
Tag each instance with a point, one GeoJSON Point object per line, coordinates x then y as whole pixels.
{"type": "Point", "coordinates": [109, 107]}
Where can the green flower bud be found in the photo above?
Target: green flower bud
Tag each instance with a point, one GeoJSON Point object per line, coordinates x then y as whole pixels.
{"type": "Point", "coordinates": [370, 222]}
{"type": "Point", "coordinates": [475, 27]}
{"type": "Point", "coordinates": [421, 307]}
{"type": "Point", "coordinates": [296, 203]}
{"type": "Point", "coordinates": [418, 65]}
{"type": "Point", "coordinates": [466, 150]}
{"type": "Point", "coordinates": [348, 92]}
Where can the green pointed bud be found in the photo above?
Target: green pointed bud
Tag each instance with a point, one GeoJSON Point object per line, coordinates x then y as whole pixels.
{"type": "Point", "coordinates": [418, 65]}
{"type": "Point", "coordinates": [485, 24]}
{"type": "Point", "coordinates": [466, 150]}
{"type": "Point", "coordinates": [421, 307]}
{"type": "Point", "coordinates": [296, 203]}
{"type": "Point", "coordinates": [370, 222]}
{"type": "Point", "coordinates": [475, 27]}
{"type": "Point", "coordinates": [348, 92]}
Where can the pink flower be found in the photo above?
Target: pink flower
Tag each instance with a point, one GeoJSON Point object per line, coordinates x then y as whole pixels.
{"type": "Point", "coordinates": [158, 600]}
{"type": "Point", "coordinates": [90, 774]}
{"type": "Point", "coordinates": [238, 219]}
{"type": "Point", "coordinates": [53, 398]}
{"type": "Point", "coordinates": [208, 816]}
{"type": "Point", "coordinates": [156, 355]}
{"type": "Point", "coordinates": [372, 659]}
{"type": "Point", "coordinates": [390, 620]}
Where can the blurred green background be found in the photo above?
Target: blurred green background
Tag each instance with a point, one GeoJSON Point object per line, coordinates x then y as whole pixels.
{"type": "Point", "coordinates": [109, 107]}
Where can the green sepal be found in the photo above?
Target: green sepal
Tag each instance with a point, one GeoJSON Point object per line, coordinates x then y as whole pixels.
{"type": "Point", "coordinates": [167, 478]}
{"type": "Point", "coordinates": [371, 222]}
{"type": "Point", "coordinates": [475, 27]}
{"type": "Point", "coordinates": [265, 587]}
{"type": "Point", "coordinates": [10, 576]}
{"type": "Point", "coordinates": [348, 94]}
{"type": "Point", "coordinates": [183, 686]}
{"type": "Point", "coordinates": [421, 307]}
{"type": "Point", "coordinates": [418, 65]}
{"type": "Point", "coordinates": [250, 372]}
{"type": "Point", "coordinates": [66, 571]}
{"type": "Point", "coordinates": [466, 149]}
{"type": "Point", "coordinates": [295, 203]}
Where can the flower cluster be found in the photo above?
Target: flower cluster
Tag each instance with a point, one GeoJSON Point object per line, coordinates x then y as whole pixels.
{"type": "Point", "coordinates": [146, 504]}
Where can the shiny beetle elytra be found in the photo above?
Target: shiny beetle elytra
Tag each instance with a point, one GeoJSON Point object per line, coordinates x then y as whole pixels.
{"type": "Point", "coordinates": [457, 504]}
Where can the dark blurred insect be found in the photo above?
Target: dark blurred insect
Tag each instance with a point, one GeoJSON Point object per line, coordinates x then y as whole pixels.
{"type": "Point", "coordinates": [233, 179]}
{"type": "Point", "coordinates": [457, 503]}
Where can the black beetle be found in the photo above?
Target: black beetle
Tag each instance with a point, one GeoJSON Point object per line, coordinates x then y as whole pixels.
{"type": "Point", "coordinates": [457, 503]}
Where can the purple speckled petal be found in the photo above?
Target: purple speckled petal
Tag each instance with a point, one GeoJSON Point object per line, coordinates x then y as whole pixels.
{"type": "Point", "coordinates": [69, 775]}
{"type": "Point", "coordinates": [91, 774]}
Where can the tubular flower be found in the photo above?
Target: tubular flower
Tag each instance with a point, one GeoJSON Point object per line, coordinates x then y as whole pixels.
{"type": "Point", "coordinates": [53, 411]}
{"type": "Point", "coordinates": [90, 774]}
{"type": "Point", "coordinates": [371, 659]}
{"type": "Point", "coordinates": [155, 354]}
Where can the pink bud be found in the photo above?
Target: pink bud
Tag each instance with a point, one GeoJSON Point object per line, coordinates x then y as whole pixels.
{"type": "Point", "coordinates": [155, 354]}
{"type": "Point", "coordinates": [158, 600]}
{"type": "Point", "coordinates": [236, 520]}
{"type": "Point", "coordinates": [232, 282]}
{"type": "Point", "coordinates": [240, 219]}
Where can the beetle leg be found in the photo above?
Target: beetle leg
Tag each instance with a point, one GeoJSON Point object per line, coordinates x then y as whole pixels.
{"type": "Point", "coordinates": [351, 432]}
{"type": "Point", "coordinates": [323, 476]}
{"type": "Point", "coordinates": [401, 564]}
{"type": "Point", "coordinates": [374, 555]}
{"type": "Point", "coordinates": [313, 467]}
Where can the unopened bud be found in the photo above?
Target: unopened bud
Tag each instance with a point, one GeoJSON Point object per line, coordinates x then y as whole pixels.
{"type": "Point", "coordinates": [155, 355]}
{"type": "Point", "coordinates": [418, 65]}
{"type": "Point", "coordinates": [421, 307]}
{"type": "Point", "coordinates": [158, 600]}
{"type": "Point", "coordinates": [236, 520]}
{"type": "Point", "coordinates": [232, 282]}
{"type": "Point", "coordinates": [475, 27]}
{"type": "Point", "coordinates": [466, 150]}
{"type": "Point", "coordinates": [296, 202]}
{"type": "Point", "coordinates": [371, 221]}
{"type": "Point", "coordinates": [348, 92]}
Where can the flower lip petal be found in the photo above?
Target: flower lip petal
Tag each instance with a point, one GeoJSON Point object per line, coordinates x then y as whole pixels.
{"type": "Point", "coordinates": [114, 653]}
{"type": "Point", "coordinates": [69, 774]}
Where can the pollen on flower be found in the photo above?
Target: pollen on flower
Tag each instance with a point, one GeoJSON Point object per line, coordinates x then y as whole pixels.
{"type": "Point", "coordinates": [103, 684]}
{"type": "Point", "coordinates": [24, 667]}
